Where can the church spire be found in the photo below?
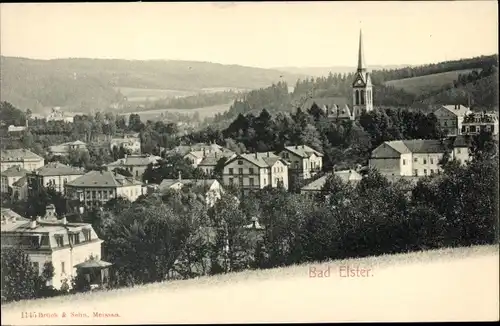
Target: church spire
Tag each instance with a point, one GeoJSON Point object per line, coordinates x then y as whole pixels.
{"type": "Point", "coordinates": [361, 54]}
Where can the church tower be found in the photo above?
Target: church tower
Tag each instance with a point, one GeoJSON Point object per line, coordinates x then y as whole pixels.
{"type": "Point", "coordinates": [362, 95]}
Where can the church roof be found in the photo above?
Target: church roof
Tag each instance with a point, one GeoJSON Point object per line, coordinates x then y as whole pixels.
{"type": "Point", "coordinates": [321, 102]}
{"type": "Point", "coordinates": [361, 54]}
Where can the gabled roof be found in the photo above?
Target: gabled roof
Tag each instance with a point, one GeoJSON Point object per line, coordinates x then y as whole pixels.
{"type": "Point", "coordinates": [303, 150]}
{"type": "Point", "coordinates": [135, 160]}
{"type": "Point", "coordinates": [344, 175]}
{"type": "Point", "coordinates": [458, 110]}
{"type": "Point", "coordinates": [185, 149]}
{"type": "Point", "coordinates": [57, 168]}
{"type": "Point", "coordinates": [103, 179]}
{"type": "Point", "coordinates": [14, 171]}
{"type": "Point", "coordinates": [211, 159]}
{"type": "Point", "coordinates": [417, 146]}
{"type": "Point", "coordinates": [262, 160]}
{"type": "Point", "coordinates": [7, 155]}
{"type": "Point", "coordinates": [21, 182]}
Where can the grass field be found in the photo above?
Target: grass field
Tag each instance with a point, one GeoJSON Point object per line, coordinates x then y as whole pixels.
{"type": "Point", "coordinates": [207, 111]}
{"type": "Point", "coordinates": [440, 285]}
{"type": "Point", "coordinates": [426, 84]}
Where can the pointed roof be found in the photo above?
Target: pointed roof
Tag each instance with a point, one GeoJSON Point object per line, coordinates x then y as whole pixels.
{"type": "Point", "coordinates": [361, 54]}
{"type": "Point", "coordinates": [103, 179]}
{"type": "Point", "coordinates": [57, 168]}
{"type": "Point", "coordinates": [15, 171]}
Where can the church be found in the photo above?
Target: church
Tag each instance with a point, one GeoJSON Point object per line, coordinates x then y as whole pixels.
{"type": "Point", "coordinates": [338, 108]}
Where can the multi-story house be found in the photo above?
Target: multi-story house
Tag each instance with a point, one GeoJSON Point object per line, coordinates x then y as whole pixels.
{"type": "Point", "coordinates": [417, 157]}
{"type": "Point", "coordinates": [256, 171]}
{"type": "Point", "coordinates": [10, 176]}
{"type": "Point", "coordinates": [198, 147]}
{"type": "Point", "coordinates": [131, 143]}
{"type": "Point", "coordinates": [65, 148]}
{"type": "Point", "coordinates": [95, 188]}
{"type": "Point", "coordinates": [135, 164]}
{"type": "Point", "coordinates": [347, 176]}
{"type": "Point", "coordinates": [305, 162]}
{"type": "Point", "coordinates": [451, 117]}
{"type": "Point", "coordinates": [24, 158]}
{"type": "Point", "coordinates": [474, 123]}
{"type": "Point", "coordinates": [51, 240]}
{"type": "Point", "coordinates": [211, 188]}
{"type": "Point", "coordinates": [53, 175]}
{"type": "Point", "coordinates": [209, 161]}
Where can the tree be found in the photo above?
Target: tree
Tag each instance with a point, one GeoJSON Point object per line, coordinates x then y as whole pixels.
{"type": "Point", "coordinates": [19, 279]}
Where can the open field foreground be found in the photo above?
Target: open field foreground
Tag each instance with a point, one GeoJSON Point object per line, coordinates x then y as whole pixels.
{"type": "Point", "coordinates": [440, 285]}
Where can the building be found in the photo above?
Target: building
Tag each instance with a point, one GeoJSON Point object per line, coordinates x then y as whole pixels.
{"type": "Point", "coordinates": [211, 188]}
{"type": "Point", "coordinates": [450, 118]}
{"type": "Point", "coordinates": [256, 171]}
{"type": "Point", "coordinates": [20, 157]}
{"type": "Point", "coordinates": [347, 176]}
{"type": "Point", "coordinates": [135, 164]}
{"type": "Point", "coordinates": [13, 128]}
{"type": "Point", "coordinates": [474, 123]}
{"type": "Point", "coordinates": [305, 162]}
{"type": "Point", "coordinates": [197, 152]}
{"type": "Point", "coordinates": [95, 188]}
{"type": "Point", "coordinates": [337, 108]}
{"type": "Point", "coordinates": [54, 175]}
{"type": "Point", "coordinates": [209, 161]}
{"type": "Point", "coordinates": [58, 115]}
{"type": "Point", "coordinates": [10, 176]}
{"type": "Point", "coordinates": [20, 189]}
{"type": "Point", "coordinates": [130, 142]}
{"type": "Point", "coordinates": [50, 240]}
{"type": "Point", "coordinates": [417, 157]}
{"type": "Point", "coordinates": [65, 148]}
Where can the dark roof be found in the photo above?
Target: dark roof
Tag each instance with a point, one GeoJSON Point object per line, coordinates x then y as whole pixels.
{"type": "Point", "coordinates": [57, 168]}
{"type": "Point", "coordinates": [15, 171]}
{"type": "Point", "coordinates": [417, 146]}
{"type": "Point", "coordinates": [303, 150]}
{"type": "Point", "coordinates": [262, 159]}
{"type": "Point", "coordinates": [93, 263]}
{"type": "Point", "coordinates": [18, 155]}
{"type": "Point", "coordinates": [21, 182]}
{"type": "Point", "coordinates": [135, 160]}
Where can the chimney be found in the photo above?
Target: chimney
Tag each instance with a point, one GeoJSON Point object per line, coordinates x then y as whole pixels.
{"type": "Point", "coordinates": [204, 152]}
{"type": "Point", "coordinates": [303, 146]}
{"type": "Point", "coordinates": [180, 176]}
{"type": "Point", "coordinates": [256, 156]}
{"type": "Point", "coordinates": [38, 218]}
{"type": "Point", "coordinates": [18, 168]}
{"type": "Point", "coordinates": [64, 221]}
{"type": "Point", "coordinates": [33, 224]}
{"type": "Point", "coordinates": [267, 154]}
{"type": "Point", "coordinates": [296, 146]}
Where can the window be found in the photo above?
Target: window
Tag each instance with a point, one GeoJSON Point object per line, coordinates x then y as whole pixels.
{"type": "Point", "coordinates": [296, 165]}
{"type": "Point", "coordinates": [231, 181]}
{"type": "Point", "coordinates": [265, 181]}
{"type": "Point", "coordinates": [286, 155]}
{"type": "Point", "coordinates": [105, 195]}
{"type": "Point", "coordinates": [241, 181]}
{"type": "Point", "coordinates": [425, 171]}
{"type": "Point", "coordinates": [60, 240]}
{"type": "Point", "coordinates": [240, 171]}
{"type": "Point", "coordinates": [416, 172]}
{"type": "Point", "coordinates": [404, 162]}
{"type": "Point", "coordinates": [458, 150]}
{"type": "Point", "coordinates": [63, 269]}
{"type": "Point", "coordinates": [415, 160]}
{"type": "Point", "coordinates": [432, 171]}
{"type": "Point", "coordinates": [250, 170]}
{"type": "Point", "coordinates": [240, 162]}
{"type": "Point", "coordinates": [87, 234]}
{"type": "Point", "coordinates": [251, 181]}
{"type": "Point", "coordinates": [425, 161]}
{"type": "Point", "coordinates": [231, 171]}
{"type": "Point", "coordinates": [74, 238]}
{"type": "Point", "coordinates": [136, 173]}
{"type": "Point", "coordinates": [93, 194]}
{"type": "Point", "coordinates": [432, 160]}
{"type": "Point", "coordinates": [65, 180]}
{"type": "Point", "coordinates": [472, 128]}
{"type": "Point", "coordinates": [36, 267]}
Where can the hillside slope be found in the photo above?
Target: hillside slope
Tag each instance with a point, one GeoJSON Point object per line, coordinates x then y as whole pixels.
{"type": "Point", "coordinates": [94, 83]}
{"type": "Point", "coordinates": [440, 285]}
{"type": "Point", "coordinates": [324, 71]}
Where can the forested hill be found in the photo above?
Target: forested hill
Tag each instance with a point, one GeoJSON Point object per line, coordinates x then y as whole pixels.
{"type": "Point", "coordinates": [80, 84]}
{"type": "Point", "coordinates": [450, 82]}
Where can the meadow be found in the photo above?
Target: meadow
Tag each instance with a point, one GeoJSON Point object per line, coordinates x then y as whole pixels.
{"type": "Point", "coordinates": [156, 115]}
{"type": "Point", "coordinates": [438, 285]}
{"type": "Point", "coordinates": [152, 94]}
{"type": "Point", "coordinates": [429, 83]}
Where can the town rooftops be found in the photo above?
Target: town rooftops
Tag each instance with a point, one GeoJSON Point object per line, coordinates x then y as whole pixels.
{"type": "Point", "coordinates": [325, 102]}
{"type": "Point", "coordinates": [15, 171]}
{"type": "Point", "coordinates": [7, 155]}
{"type": "Point", "coordinates": [57, 168]}
{"type": "Point", "coordinates": [344, 175]}
{"type": "Point", "coordinates": [262, 159]}
{"type": "Point", "coordinates": [211, 159]}
{"type": "Point", "coordinates": [457, 109]}
{"type": "Point", "coordinates": [417, 146]}
{"type": "Point", "coordinates": [104, 179]}
{"type": "Point", "coordinates": [303, 150]}
{"type": "Point", "coordinates": [135, 160]}
{"type": "Point", "coordinates": [198, 147]}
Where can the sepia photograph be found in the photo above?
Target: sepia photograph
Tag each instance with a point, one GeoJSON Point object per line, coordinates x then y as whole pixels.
{"type": "Point", "coordinates": [249, 162]}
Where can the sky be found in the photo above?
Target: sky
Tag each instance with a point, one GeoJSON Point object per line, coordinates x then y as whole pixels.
{"type": "Point", "coordinates": [258, 34]}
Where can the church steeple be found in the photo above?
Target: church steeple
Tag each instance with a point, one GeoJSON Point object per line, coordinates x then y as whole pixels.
{"type": "Point", "coordinates": [361, 54]}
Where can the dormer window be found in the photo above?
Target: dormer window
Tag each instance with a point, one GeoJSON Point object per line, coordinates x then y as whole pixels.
{"type": "Point", "coordinates": [59, 240]}
{"type": "Point", "coordinates": [240, 162]}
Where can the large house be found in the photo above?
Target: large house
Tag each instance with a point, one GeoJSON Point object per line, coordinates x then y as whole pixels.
{"type": "Point", "coordinates": [51, 240]}
{"type": "Point", "coordinates": [183, 150]}
{"type": "Point", "coordinates": [474, 123]}
{"type": "Point", "coordinates": [347, 176]}
{"type": "Point", "coordinates": [362, 94]}
{"type": "Point", "coordinates": [58, 115]}
{"type": "Point", "coordinates": [451, 117]}
{"type": "Point", "coordinates": [209, 161]}
{"type": "Point", "coordinates": [305, 162]}
{"type": "Point", "coordinates": [95, 188]}
{"type": "Point", "coordinates": [130, 142]}
{"type": "Point", "coordinates": [135, 164]}
{"type": "Point", "coordinates": [20, 157]}
{"type": "Point", "coordinates": [10, 176]}
{"type": "Point", "coordinates": [20, 189]}
{"type": "Point", "coordinates": [256, 171]}
{"type": "Point", "coordinates": [65, 148]}
{"type": "Point", "coordinates": [53, 175]}
{"type": "Point", "coordinates": [417, 157]}
{"type": "Point", "coordinates": [211, 188]}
